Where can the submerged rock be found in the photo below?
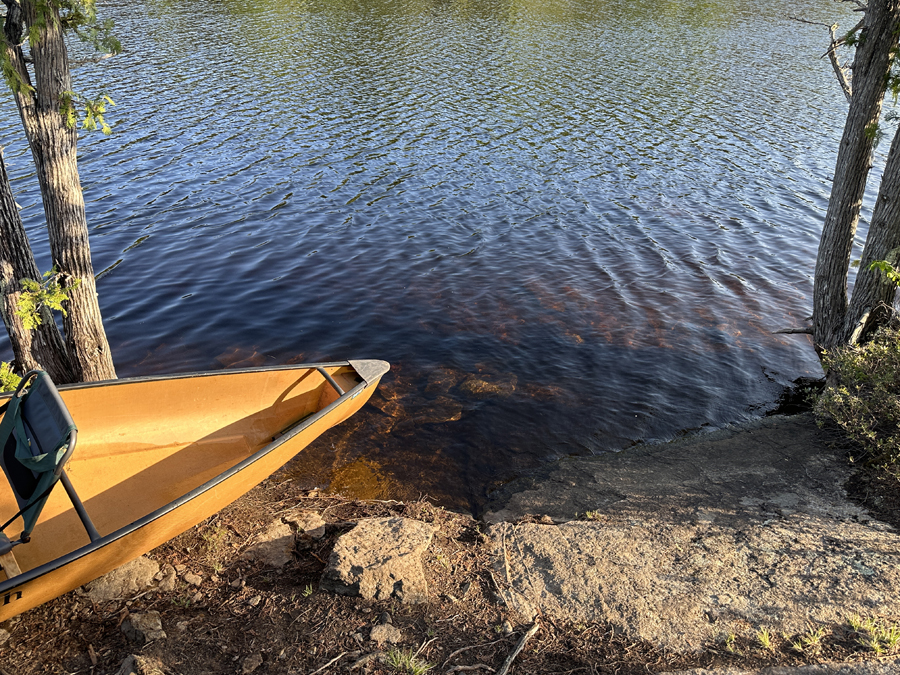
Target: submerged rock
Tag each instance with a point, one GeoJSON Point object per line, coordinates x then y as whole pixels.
{"type": "Point", "coordinates": [489, 386]}
{"type": "Point", "coordinates": [442, 380]}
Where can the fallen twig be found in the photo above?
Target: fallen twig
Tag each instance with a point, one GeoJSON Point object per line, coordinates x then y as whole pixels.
{"type": "Point", "coordinates": [424, 644]}
{"type": "Point", "coordinates": [536, 626]}
{"type": "Point", "coordinates": [465, 649]}
{"type": "Point", "coordinates": [477, 666]}
{"type": "Point", "coordinates": [333, 661]}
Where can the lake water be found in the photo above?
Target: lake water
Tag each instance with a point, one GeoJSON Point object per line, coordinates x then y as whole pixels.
{"type": "Point", "coordinates": [570, 225]}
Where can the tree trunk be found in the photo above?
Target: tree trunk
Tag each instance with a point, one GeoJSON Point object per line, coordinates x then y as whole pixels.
{"type": "Point", "coordinates": [873, 293]}
{"type": "Point", "coordinates": [42, 347]}
{"type": "Point", "coordinates": [854, 160]}
{"type": "Point", "coordinates": [53, 146]}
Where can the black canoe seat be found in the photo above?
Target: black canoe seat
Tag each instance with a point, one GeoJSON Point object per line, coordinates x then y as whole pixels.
{"type": "Point", "coordinates": [37, 437]}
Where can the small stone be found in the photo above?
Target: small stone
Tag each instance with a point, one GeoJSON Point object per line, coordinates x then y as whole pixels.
{"type": "Point", "coordinates": [364, 661]}
{"type": "Point", "coordinates": [4, 636]}
{"type": "Point", "coordinates": [182, 626]}
{"type": "Point", "coordinates": [385, 618]}
{"type": "Point", "coordinates": [507, 627]}
{"type": "Point", "coordinates": [197, 599]}
{"type": "Point", "coordinates": [251, 663]}
{"type": "Point", "coordinates": [358, 638]}
{"type": "Point", "coordinates": [127, 666]}
{"type": "Point", "coordinates": [465, 588]}
{"type": "Point", "coordinates": [255, 600]}
{"type": "Point", "coordinates": [193, 579]}
{"type": "Point", "coordinates": [385, 632]}
{"type": "Point", "coordinates": [143, 627]}
{"type": "Point", "coordinates": [237, 583]}
{"type": "Point", "coordinates": [166, 578]}
{"type": "Point", "coordinates": [180, 568]}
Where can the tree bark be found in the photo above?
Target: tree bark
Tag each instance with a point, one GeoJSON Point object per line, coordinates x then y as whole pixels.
{"type": "Point", "coordinates": [873, 294]}
{"type": "Point", "coordinates": [854, 160]}
{"type": "Point", "coordinates": [42, 347]}
{"type": "Point", "coordinates": [53, 146]}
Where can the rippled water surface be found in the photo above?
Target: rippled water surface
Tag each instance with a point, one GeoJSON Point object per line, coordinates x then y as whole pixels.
{"type": "Point", "coordinates": [570, 225]}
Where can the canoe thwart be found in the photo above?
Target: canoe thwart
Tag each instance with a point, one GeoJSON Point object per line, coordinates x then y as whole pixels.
{"type": "Point", "coordinates": [337, 387]}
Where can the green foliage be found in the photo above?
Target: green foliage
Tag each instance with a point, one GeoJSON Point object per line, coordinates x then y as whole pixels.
{"type": "Point", "coordinates": [8, 379]}
{"type": "Point", "coordinates": [888, 270]}
{"type": "Point", "coordinates": [865, 401]}
{"type": "Point", "coordinates": [93, 110]}
{"type": "Point", "coordinates": [876, 635]}
{"type": "Point", "coordinates": [37, 294]}
{"type": "Point", "coordinates": [874, 133]}
{"type": "Point", "coordinates": [78, 17]}
{"type": "Point", "coordinates": [13, 77]}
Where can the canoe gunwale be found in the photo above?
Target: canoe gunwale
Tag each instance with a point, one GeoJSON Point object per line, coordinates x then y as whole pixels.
{"type": "Point", "coordinates": [286, 435]}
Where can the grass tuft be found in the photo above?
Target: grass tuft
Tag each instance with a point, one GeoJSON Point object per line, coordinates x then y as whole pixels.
{"type": "Point", "coordinates": [405, 661]}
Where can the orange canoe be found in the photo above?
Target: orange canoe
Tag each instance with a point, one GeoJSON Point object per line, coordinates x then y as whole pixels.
{"type": "Point", "coordinates": [157, 455]}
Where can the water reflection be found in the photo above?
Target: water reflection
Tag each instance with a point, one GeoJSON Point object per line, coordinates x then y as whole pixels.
{"type": "Point", "coordinates": [570, 225]}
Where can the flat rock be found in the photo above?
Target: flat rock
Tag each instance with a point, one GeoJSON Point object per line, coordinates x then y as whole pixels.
{"type": "Point", "coordinates": [144, 627]}
{"type": "Point", "coordinates": [309, 523]}
{"type": "Point", "coordinates": [274, 547]}
{"type": "Point", "coordinates": [192, 579]}
{"type": "Point", "coordinates": [385, 632]}
{"type": "Point", "coordinates": [124, 582]}
{"type": "Point", "coordinates": [379, 559]}
{"type": "Point", "coordinates": [887, 667]}
{"type": "Point", "coordinates": [684, 542]}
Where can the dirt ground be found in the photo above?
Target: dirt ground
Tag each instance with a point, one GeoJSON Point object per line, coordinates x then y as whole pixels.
{"type": "Point", "coordinates": [244, 618]}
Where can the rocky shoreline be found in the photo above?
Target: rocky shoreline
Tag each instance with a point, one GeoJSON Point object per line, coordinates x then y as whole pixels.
{"type": "Point", "coordinates": [738, 549]}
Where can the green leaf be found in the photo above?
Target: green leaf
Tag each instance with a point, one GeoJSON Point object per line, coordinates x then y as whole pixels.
{"type": "Point", "coordinates": [35, 295]}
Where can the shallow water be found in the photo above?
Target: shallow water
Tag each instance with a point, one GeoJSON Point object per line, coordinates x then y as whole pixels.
{"type": "Point", "coordinates": [570, 225]}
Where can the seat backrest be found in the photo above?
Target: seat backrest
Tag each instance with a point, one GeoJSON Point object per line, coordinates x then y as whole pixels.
{"type": "Point", "coordinates": [37, 437]}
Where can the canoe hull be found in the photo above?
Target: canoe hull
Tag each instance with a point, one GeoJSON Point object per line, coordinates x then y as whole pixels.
{"type": "Point", "coordinates": [89, 561]}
